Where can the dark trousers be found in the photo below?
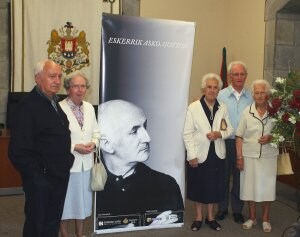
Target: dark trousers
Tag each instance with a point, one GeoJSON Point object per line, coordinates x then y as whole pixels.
{"type": "Point", "coordinates": [44, 202]}
{"type": "Point", "coordinates": [230, 169]}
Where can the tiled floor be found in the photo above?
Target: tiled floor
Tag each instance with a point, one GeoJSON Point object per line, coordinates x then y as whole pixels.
{"type": "Point", "coordinates": [284, 213]}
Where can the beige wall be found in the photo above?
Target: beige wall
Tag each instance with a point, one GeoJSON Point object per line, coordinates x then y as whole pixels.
{"type": "Point", "coordinates": [246, 35]}
{"type": "Point", "coordinates": [236, 24]}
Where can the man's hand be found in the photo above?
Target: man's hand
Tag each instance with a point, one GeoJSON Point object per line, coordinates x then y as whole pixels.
{"type": "Point", "coordinates": [193, 163]}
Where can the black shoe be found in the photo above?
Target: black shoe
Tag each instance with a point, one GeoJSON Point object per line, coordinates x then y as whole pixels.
{"type": "Point", "coordinates": [196, 225]}
{"type": "Point", "coordinates": [221, 215]}
{"type": "Point", "coordinates": [238, 218]}
{"type": "Point", "coordinates": [213, 224]}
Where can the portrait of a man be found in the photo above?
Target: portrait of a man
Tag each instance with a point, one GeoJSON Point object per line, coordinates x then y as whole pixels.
{"type": "Point", "coordinates": [134, 190]}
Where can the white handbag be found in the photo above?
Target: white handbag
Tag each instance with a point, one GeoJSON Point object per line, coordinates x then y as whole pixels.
{"type": "Point", "coordinates": [99, 174]}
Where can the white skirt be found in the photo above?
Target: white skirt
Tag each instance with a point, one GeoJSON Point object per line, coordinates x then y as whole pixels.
{"type": "Point", "coordinates": [258, 179]}
{"type": "Point", "coordinates": [79, 198]}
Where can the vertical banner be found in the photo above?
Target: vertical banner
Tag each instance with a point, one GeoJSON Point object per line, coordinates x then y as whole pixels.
{"type": "Point", "coordinates": [146, 67]}
{"type": "Point", "coordinates": [66, 31]}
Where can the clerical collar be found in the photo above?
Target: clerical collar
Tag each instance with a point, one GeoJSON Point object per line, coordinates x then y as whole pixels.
{"type": "Point", "coordinates": [119, 178]}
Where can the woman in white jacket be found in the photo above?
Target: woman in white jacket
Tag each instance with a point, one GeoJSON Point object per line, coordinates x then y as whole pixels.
{"type": "Point", "coordinates": [85, 137]}
{"type": "Point", "coordinates": [206, 126]}
{"type": "Point", "coordinates": [256, 158]}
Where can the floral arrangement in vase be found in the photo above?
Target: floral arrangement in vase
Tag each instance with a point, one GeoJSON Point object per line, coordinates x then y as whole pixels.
{"type": "Point", "coordinates": [284, 111]}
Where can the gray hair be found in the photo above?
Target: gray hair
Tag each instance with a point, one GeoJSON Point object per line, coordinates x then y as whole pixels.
{"type": "Point", "coordinates": [233, 63]}
{"type": "Point", "coordinates": [211, 76]}
{"type": "Point", "coordinates": [69, 77]}
{"type": "Point", "coordinates": [39, 67]}
{"type": "Point", "coordinates": [261, 82]}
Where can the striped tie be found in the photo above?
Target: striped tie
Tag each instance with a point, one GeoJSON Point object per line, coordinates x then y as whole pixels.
{"type": "Point", "coordinates": [54, 105]}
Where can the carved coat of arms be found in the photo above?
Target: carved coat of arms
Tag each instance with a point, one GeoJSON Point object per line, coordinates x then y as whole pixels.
{"type": "Point", "coordinates": [69, 48]}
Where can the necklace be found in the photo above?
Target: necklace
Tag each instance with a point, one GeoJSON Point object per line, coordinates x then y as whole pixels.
{"type": "Point", "coordinates": [211, 117]}
{"type": "Point", "coordinates": [211, 109]}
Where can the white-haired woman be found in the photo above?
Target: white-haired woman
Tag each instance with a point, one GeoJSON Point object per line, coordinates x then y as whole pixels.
{"type": "Point", "coordinates": [206, 126]}
{"type": "Point", "coordinates": [85, 137]}
{"type": "Point", "coordinates": [256, 158]}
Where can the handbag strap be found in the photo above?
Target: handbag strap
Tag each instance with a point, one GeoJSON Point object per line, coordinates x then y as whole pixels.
{"type": "Point", "coordinates": [283, 148]}
{"type": "Point", "coordinates": [97, 155]}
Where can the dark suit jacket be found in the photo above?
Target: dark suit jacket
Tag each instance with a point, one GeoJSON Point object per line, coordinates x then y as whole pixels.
{"type": "Point", "coordinates": [40, 138]}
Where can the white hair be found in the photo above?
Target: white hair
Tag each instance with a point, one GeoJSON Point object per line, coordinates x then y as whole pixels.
{"type": "Point", "coordinates": [211, 76]}
{"type": "Point", "coordinates": [39, 67]}
{"type": "Point", "coordinates": [261, 82]}
{"type": "Point", "coordinates": [233, 63]}
{"type": "Point", "coordinates": [68, 79]}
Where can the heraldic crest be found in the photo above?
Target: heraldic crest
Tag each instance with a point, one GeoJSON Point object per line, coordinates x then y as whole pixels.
{"type": "Point", "coordinates": [68, 48]}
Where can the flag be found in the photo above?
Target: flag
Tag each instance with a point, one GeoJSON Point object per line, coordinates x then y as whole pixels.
{"type": "Point", "coordinates": [223, 73]}
{"type": "Point", "coordinates": [67, 32]}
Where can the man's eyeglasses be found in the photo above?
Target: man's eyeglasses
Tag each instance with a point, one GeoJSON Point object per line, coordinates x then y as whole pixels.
{"type": "Point", "coordinates": [239, 74]}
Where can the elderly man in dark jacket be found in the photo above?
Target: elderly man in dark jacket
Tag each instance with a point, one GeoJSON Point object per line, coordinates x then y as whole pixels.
{"type": "Point", "coordinates": [40, 148]}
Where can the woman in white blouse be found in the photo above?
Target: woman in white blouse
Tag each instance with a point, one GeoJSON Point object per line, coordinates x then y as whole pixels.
{"type": "Point", "coordinates": [256, 158]}
{"type": "Point", "coordinates": [85, 136]}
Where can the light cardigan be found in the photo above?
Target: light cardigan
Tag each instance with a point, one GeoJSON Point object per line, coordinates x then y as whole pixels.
{"type": "Point", "coordinates": [197, 126]}
{"type": "Point", "coordinates": [88, 133]}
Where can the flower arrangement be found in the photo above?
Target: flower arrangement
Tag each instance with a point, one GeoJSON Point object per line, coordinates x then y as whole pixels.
{"type": "Point", "coordinates": [284, 111]}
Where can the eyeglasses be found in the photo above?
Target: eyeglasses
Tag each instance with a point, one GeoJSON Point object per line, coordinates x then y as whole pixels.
{"type": "Point", "coordinates": [239, 74]}
{"type": "Point", "coordinates": [260, 93]}
{"type": "Point", "coordinates": [79, 87]}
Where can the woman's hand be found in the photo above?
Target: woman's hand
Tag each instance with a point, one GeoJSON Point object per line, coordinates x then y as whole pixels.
{"type": "Point", "coordinates": [264, 139]}
{"type": "Point", "coordinates": [212, 136]}
{"type": "Point", "coordinates": [85, 149]}
{"type": "Point", "coordinates": [240, 163]}
{"type": "Point", "coordinates": [193, 163]}
{"type": "Point", "coordinates": [90, 146]}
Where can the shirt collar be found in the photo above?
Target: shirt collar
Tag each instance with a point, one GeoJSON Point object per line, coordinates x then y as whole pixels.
{"type": "Point", "coordinates": [72, 105]}
{"type": "Point", "coordinates": [235, 92]}
{"type": "Point", "coordinates": [232, 91]}
{"type": "Point", "coordinates": [41, 93]}
{"type": "Point", "coordinates": [253, 111]}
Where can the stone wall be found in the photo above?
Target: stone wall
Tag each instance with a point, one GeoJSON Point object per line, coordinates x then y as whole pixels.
{"type": "Point", "coordinates": [287, 50]}
{"type": "Point", "coordinates": [4, 58]}
{"type": "Point", "coordinates": [282, 40]}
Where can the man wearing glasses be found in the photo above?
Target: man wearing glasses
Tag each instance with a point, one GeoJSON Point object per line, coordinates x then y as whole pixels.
{"type": "Point", "coordinates": [237, 98]}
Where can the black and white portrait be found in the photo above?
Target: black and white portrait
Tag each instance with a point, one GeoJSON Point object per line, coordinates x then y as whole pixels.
{"type": "Point", "coordinates": [133, 188]}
